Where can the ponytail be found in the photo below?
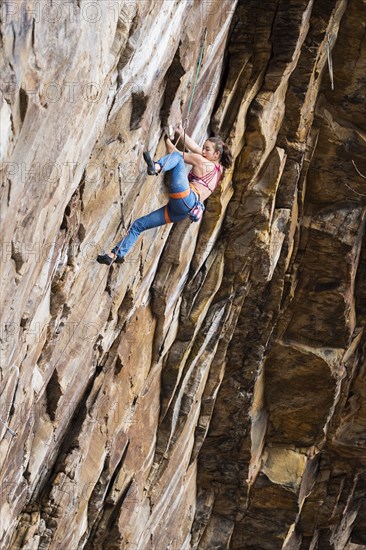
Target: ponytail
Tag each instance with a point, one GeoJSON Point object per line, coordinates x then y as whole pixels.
{"type": "Point", "coordinates": [226, 158]}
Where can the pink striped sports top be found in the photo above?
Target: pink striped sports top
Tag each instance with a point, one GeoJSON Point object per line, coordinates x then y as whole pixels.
{"type": "Point", "coordinates": [206, 179]}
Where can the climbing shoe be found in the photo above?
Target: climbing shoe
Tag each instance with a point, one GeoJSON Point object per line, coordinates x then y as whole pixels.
{"type": "Point", "coordinates": [150, 164]}
{"type": "Point", "coordinates": [104, 259]}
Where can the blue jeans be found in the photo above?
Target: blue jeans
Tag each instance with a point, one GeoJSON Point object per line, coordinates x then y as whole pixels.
{"type": "Point", "coordinates": [175, 210]}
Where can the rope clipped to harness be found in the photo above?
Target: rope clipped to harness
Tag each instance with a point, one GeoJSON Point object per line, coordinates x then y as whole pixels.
{"type": "Point", "coordinates": [186, 120]}
{"type": "Point", "coordinates": [196, 212]}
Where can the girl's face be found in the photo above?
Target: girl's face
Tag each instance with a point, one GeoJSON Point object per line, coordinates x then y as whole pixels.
{"type": "Point", "coordinates": [208, 151]}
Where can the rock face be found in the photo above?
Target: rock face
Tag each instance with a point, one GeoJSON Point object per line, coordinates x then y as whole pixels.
{"type": "Point", "coordinates": [209, 392]}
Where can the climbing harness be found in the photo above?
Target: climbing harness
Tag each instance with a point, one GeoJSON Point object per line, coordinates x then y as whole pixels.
{"type": "Point", "coordinates": [196, 212]}
{"type": "Point", "coordinates": [186, 120]}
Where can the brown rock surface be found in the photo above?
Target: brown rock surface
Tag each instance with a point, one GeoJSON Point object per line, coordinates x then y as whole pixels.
{"type": "Point", "coordinates": [209, 392]}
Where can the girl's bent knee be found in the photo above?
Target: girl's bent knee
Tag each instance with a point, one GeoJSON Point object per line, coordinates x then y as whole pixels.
{"type": "Point", "coordinates": [177, 156]}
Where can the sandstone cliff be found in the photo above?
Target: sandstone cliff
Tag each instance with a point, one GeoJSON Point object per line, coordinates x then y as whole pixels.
{"type": "Point", "coordinates": [209, 392]}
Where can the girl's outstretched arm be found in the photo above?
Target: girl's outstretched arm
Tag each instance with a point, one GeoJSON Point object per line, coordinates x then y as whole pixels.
{"type": "Point", "coordinates": [190, 158]}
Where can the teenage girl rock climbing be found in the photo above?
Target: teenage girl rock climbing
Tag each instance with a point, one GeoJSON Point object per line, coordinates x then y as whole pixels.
{"type": "Point", "coordinates": [186, 196]}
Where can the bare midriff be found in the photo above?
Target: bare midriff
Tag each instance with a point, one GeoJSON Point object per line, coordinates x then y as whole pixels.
{"type": "Point", "coordinates": [201, 190]}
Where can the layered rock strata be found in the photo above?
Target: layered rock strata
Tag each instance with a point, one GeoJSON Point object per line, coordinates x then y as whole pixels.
{"type": "Point", "coordinates": [209, 392]}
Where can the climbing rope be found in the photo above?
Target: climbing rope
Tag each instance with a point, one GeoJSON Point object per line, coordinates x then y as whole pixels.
{"type": "Point", "coordinates": [95, 289]}
{"type": "Point", "coordinates": [198, 69]}
{"type": "Point", "coordinates": [362, 176]}
{"type": "Point", "coordinates": [357, 170]}
{"type": "Point", "coordinates": [199, 63]}
{"type": "Point", "coordinates": [330, 62]}
{"type": "Point", "coordinates": [121, 195]}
